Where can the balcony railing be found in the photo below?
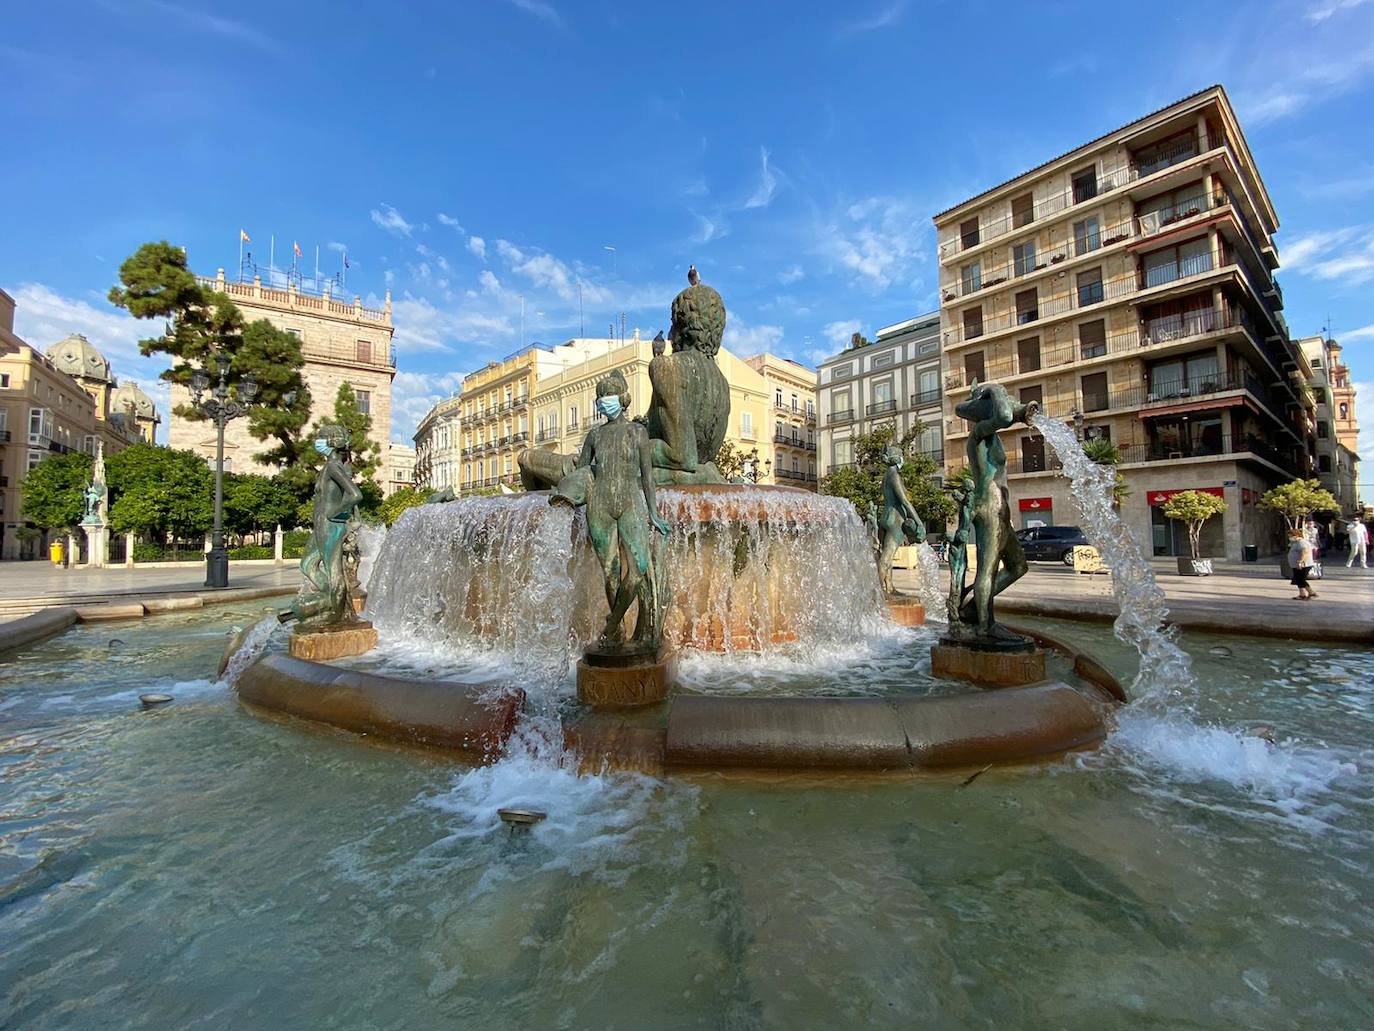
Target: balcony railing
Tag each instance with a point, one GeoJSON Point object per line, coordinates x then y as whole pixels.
{"type": "Point", "coordinates": [925, 397]}
{"type": "Point", "coordinates": [4, 436]}
{"type": "Point", "coordinates": [1183, 150]}
{"type": "Point", "coordinates": [882, 408]}
{"type": "Point", "coordinates": [1044, 308]}
{"type": "Point", "coordinates": [1225, 444]}
{"type": "Point", "coordinates": [841, 415]}
{"type": "Point", "coordinates": [551, 433]}
{"type": "Point", "coordinates": [795, 475]}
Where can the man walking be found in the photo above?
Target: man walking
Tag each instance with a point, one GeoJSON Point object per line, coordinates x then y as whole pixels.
{"type": "Point", "coordinates": [1359, 542]}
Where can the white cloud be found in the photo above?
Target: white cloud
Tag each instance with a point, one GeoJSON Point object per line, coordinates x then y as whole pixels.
{"type": "Point", "coordinates": [541, 10]}
{"type": "Point", "coordinates": [450, 221]}
{"type": "Point", "coordinates": [1364, 414]}
{"type": "Point", "coordinates": [768, 184]}
{"type": "Point", "coordinates": [889, 14]}
{"type": "Point", "coordinates": [391, 220]}
{"type": "Point", "coordinates": [1310, 73]}
{"type": "Point", "coordinates": [841, 332]}
{"type": "Point", "coordinates": [422, 325]}
{"type": "Point", "coordinates": [413, 394]}
{"type": "Point", "coordinates": [1363, 333]}
{"type": "Point", "coordinates": [791, 274]}
{"type": "Point", "coordinates": [490, 284]}
{"type": "Point", "coordinates": [745, 340]}
{"type": "Point", "coordinates": [709, 228]}
{"type": "Point", "coordinates": [478, 246]}
{"type": "Point", "coordinates": [432, 255]}
{"type": "Point", "coordinates": [1341, 255]}
{"type": "Point", "coordinates": [1320, 12]}
{"type": "Point", "coordinates": [879, 240]}
{"type": "Point", "coordinates": [544, 271]}
{"type": "Point", "coordinates": [334, 245]}
{"type": "Point", "coordinates": [204, 21]}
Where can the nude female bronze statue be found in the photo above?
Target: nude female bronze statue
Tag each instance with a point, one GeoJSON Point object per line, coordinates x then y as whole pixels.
{"type": "Point", "coordinates": [325, 598]}
{"type": "Point", "coordinates": [899, 525]}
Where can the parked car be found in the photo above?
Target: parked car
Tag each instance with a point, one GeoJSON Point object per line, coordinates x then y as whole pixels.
{"type": "Point", "coordinates": [1051, 543]}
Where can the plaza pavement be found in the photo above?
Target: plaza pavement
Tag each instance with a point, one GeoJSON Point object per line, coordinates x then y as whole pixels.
{"type": "Point", "coordinates": [29, 586]}
{"type": "Point", "coordinates": [1238, 598]}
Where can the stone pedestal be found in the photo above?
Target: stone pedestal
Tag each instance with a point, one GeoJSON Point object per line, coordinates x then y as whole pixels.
{"type": "Point", "coordinates": [622, 681]}
{"type": "Point", "coordinates": [129, 551]}
{"type": "Point", "coordinates": [906, 611]}
{"type": "Point", "coordinates": [991, 667]}
{"type": "Point", "coordinates": [278, 546]}
{"type": "Point", "coordinates": [97, 544]}
{"type": "Point", "coordinates": [327, 643]}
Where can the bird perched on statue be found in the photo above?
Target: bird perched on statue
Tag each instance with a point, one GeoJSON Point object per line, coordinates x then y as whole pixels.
{"type": "Point", "coordinates": [692, 276]}
{"type": "Point", "coordinates": [659, 344]}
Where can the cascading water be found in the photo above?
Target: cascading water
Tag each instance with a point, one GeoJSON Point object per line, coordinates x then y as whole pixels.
{"type": "Point", "coordinates": [928, 587]}
{"type": "Point", "coordinates": [370, 540]}
{"type": "Point", "coordinates": [1165, 674]}
{"type": "Point", "coordinates": [250, 648]}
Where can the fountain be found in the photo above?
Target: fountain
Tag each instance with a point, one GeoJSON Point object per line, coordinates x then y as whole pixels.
{"type": "Point", "coordinates": [571, 604]}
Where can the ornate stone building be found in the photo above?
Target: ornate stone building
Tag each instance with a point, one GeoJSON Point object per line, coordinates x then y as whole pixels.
{"type": "Point", "coordinates": [788, 447]}
{"type": "Point", "coordinates": [1337, 428]}
{"type": "Point", "coordinates": [342, 343]}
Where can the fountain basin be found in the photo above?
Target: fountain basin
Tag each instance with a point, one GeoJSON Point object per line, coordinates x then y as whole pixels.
{"type": "Point", "coordinates": [473, 722]}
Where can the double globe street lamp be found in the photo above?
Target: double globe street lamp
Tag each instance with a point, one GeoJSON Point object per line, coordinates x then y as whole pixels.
{"type": "Point", "coordinates": [219, 408]}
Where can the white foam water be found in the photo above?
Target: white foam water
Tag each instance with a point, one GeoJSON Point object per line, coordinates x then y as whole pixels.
{"type": "Point", "coordinates": [370, 538]}
{"type": "Point", "coordinates": [251, 649]}
{"type": "Point", "coordinates": [928, 586]}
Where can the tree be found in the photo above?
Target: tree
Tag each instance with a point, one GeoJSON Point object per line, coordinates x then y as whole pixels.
{"type": "Point", "coordinates": [862, 482]}
{"type": "Point", "coordinates": [1101, 451]}
{"type": "Point", "coordinates": [253, 502]}
{"type": "Point", "coordinates": [54, 491]}
{"type": "Point", "coordinates": [1297, 500]}
{"type": "Point", "coordinates": [404, 499]}
{"type": "Point", "coordinates": [364, 456]}
{"type": "Point", "coordinates": [201, 323]}
{"type": "Point", "coordinates": [730, 459]}
{"type": "Point", "coordinates": [160, 492]}
{"type": "Point", "coordinates": [1194, 507]}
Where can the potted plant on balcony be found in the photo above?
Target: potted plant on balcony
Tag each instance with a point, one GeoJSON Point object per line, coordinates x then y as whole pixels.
{"type": "Point", "coordinates": [1194, 507]}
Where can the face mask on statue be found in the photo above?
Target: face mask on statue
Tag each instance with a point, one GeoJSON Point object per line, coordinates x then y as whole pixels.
{"type": "Point", "coordinates": [322, 446]}
{"type": "Point", "coordinates": [609, 406]}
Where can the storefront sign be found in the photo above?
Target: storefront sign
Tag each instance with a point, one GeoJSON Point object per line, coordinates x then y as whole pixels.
{"type": "Point", "coordinates": [1036, 504]}
{"type": "Point", "coordinates": [1161, 497]}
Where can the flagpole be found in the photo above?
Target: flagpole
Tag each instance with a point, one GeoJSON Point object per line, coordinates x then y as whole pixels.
{"type": "Point", "coordinates": [272, 263]}
{"type": "Point", "coordinates": [317, 268]}
{"type": "Point", "coordinates": [240, 255]}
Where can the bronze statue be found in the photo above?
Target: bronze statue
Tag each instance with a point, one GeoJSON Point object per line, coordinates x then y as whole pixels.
{"type": "Point", "coordinates": [871, 525]}
{"type": "Point", "coordinates": [962, 494]}
{"type": "Point", "coordinates": [689, 410]}
{"type": "Point", "coordinates": [1001, 562]}
{"type": "Point", "coordinates": [325, 597]}
{"type": "Point", "coordinates": [97, 494]}
{"type": "Point", "coordinates": [899, 524]}
{"type": "Point", "coordinates": [613, 477]}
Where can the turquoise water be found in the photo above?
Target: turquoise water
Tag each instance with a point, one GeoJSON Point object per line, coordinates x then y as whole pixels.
{"type": "Point", "coordinates": [199, 866]}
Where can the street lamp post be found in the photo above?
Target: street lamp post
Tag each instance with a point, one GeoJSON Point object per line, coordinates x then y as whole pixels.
{"type": "Point", "coordinates": [221, 409]}
{"type": "Point", "coordinates": [750, 466]}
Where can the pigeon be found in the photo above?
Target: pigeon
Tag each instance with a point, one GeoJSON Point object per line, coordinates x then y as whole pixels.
{"type": "Point", "coordinates": [659, 344]}
{"type": "Point", "coordinates": [692, 276]}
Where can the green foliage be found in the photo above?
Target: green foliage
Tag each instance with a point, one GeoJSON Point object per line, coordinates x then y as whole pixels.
{"type": "Point", "coordinates": [148, 551]}
{"type": "Point", "coordinates": [293, 543]}
{"type": "Point", "coordinates": [251, 551]}
{"type": "Point", "coordinates": [1297, 500]}
{"type": "Point", "coordinates": [862, 482]}
{"type": "Point", "coordinates": [1194, 507]}
{"type": "Point", "coordinates": [160, 492]}
{"type": "Point", "coordinates": [253, 502]}
{"type": "Point", "coordinates": [364, 456]}
{"type": "Point", "coordinates": [200, 323]}
{"type": "Point", "coordinates": [404, 499]}
{"type": "Point", "coordinates": [1103, 451]}
{"type": "Point", "coordinates": [730, 459]}
{"type": "Point", "coordinates": [54, 489]}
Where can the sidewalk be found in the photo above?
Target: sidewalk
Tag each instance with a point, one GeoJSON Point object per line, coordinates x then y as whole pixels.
{"type": "Point", "coordinates": [29, 586]}
{"type": "Point", "coordinates": [1239, 598]}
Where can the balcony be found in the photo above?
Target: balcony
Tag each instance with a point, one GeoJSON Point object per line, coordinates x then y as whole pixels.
{"type": "Point", "coordinates": [546, 434]}
{"type": "Point", "coordinates": [840, 416]}
{"type": "Point", "coordinates": [519, 438]}
{"type": "Point", "coordinates": [881, 408]}
{"type": "Point", "coordinates": [1225, 445]}
{"type": "Point", "coordinates": [795, 475]}
{"type": "Point", "coordinates": [925, 397]}
{"type": "Point", "coordinates": [780, 438]}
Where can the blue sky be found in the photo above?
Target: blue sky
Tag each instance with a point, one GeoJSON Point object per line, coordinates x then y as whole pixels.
{"type": "Point", "coordinates": [470, 153]}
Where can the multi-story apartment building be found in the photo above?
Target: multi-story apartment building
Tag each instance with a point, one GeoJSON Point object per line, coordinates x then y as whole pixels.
{"type": "Point", "coordinates": [398, 468]}
{"type": "Point", "coordinates": [439, 445]}
{"type": "Point", "coordinates": [893, 380]}
{"type": "Point", "coordinates": [341, 343]}
{"type": "Point", "coordinates": [1128, 285]}
{"type": "Point", "coordinates": [790, 450]}
{"type": "Point", "coordinates": [1337, 460]}
{"type": "Point", "coordinates": [53, 404]}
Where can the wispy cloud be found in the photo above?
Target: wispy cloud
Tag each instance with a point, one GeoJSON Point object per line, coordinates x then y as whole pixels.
{"type": "Point", "coordinates": [1341, 255]}
{"type": "Point", "coordinates": [478, 246]}
{"type": "Point", "coordinates": [545, 12]}
{"type": "Point", "coordinates": [1311, 73]}
{"type": "Point", "coordinates": [791, 274]}
{"type": "Point", "coordinates": [745, 339]}
{"type": "Point", "coordinates": [450, 221]}
{"type": "Point", "coordinates": [841, 332]}
{"type": "Point", "coordinates": [883, 17]}
{"type": "Point", "coordinates": [1364, 412]}
{"type": "Point", "coordinates": [879, 241]}
{"type": "Point", "coordinates": [1363, 333]}
{"type": "Point", "coordinates": [227, 28]}
{"type": "Point", "coordinates": [1320, 12]}
{"type": "Point", "coordinates": [335, 245]}
{"type": "Point", "coordinates": [768, 183]}
{"type": "Point", "coordinates": [710, 227]}
{"type": "Point", "coordinates": [391, 220]}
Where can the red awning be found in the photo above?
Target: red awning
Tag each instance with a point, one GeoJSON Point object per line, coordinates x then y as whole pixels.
{"type": "Point", "coordinates": [1160, 497]}
{"type": "Point", "coordinates": [1179, 407]}
{"type": "Point", "coordinates": [1036, 504]}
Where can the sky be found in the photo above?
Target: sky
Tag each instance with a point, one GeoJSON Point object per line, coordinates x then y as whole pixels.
{"type": "Point", "coordinates": [477, 156]}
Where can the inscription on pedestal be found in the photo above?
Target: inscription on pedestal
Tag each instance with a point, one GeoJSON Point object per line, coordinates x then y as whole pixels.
{"type": "Point", "coordinates": [332, 643]}
{"type": "Point", "coordinates": [989, 668]}
{"type": "Point", "coordinates": [622, 686]}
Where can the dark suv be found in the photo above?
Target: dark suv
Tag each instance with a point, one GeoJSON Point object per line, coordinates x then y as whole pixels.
{"type": "Point", "coordinates": [1051, 543]}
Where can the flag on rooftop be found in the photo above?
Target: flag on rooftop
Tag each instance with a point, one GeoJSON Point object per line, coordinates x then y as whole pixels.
{"type": "Point", "coordinates": [244, 237]}
{"type": "Point", "coordinates": [297, 248]}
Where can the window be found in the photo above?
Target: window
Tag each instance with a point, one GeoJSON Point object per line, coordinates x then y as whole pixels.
{"type": "Point", "coordinates": [881, 361]}
{"type": "Point", "coordinates": [844, 452]}
{"type": "Point", "coordinates": [1036, 394]}
{"type": "Point", "coordinates": [971, 278]}
{"type": "Point", "coordinates": [1032, 454]}
{"type": "Point", "coordinates": [810, 409]}
{"type": "Point", "coordinates": [1166, 152]}
{"type": "Point", "coordinates": [1090, 287]}
{"type": "Point", "coordinates": [968, 233]}
{"type": "Point", "coordinates": [1316, 363]}
{"type": "Point", "coordinates": [777, 397]}
{"type": "Point", "coordinates": [1085, 184]}
{"type": "Point", "coordinates": [1023, 254]}
{"type": "Point", "coordinates": [779, 428]}
{"type": "Point", "coordinates": [1086, 236]}
{"type": "Point", "coordinates": [364, 401]}
{"type": "Point", "coordinates": [1170, 263]}
{"type": "Point", "coordinates": [746, 425]}
{"type": "Point", "coordinates": [1028, 355]}
{"type": "Point", "coordinates": [929, 442]}
{"type": "Point", "coordinates": [1321, 430]}
{"type": "Point", "coordinates": [928, 387]}
{"type": "Point", "coordinates": [1092, 338]}
{"type": "Point", "coordinates": [1102, 432]}
{"type": "Point", "coordinates": [572, 417]}
{"type": "Point", "coordinates": [1323, 463]}
{"type": "Point", "coordinates": [4, 380]}
{"type": "Point", "coordinates": [1095, 392]}
{"type": "Point", "coordinates": [40, 426]}
{"type": "Point", "coordinates": [794, 396]}
{"type": "Point", "coordinates": [1027, 306]}
{"type": "Point", "coordinates": [1184, 377]}
{"type": "Point", "coordinates": [88, 443]}
{"type": "Point", "coordinates": [364, 351]}
{"type": "Point", "coordinates": [840, 405]}
{"type": "Point", "coordinates": [34, 458]}
{"type": "Point", "coordinates": [928, 347]}
{"type": "Point", "coordinates": [973, 367]}
{"type": "Point", "coordinates": [1022, 211]}
{"type": "Point", "coordinates": [295, 333]}
{"type": "Point", "coordinates": [843, 371]}
{"type": "Point", "coordinates": [973, 323]}
{"type": "Point", "coordinates": [882, 392]}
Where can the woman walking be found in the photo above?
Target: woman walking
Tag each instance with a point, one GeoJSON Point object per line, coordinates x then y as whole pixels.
{"type": "Point", "coordinates": [1300, 560]}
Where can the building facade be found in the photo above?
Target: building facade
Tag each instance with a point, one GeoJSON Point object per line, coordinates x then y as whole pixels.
{"type": "Point", "coordinates": [1128, 286]}
{"type": "Point", "coordinates": [1337, 431]}
{"type": "Point", "coordinates": [51, 404]}
{"type": "Point", "coordinates": [398, 468]}
{"type": "Point", "coordinates": [893, 380]}
{"type": "Point", "coordinates": [790, 449]}
{"type": "Point", "coordinates": [341, 343]}
{"type": "Point", "coordinates": [439, 445]}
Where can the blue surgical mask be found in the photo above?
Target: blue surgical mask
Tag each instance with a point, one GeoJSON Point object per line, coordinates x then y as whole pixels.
{"type": "Point", "coordinates": [322, 446]}
{"type": "Point", "coordinates": [609, 406]}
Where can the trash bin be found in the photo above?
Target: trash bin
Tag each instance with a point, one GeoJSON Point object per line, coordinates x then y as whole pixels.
{"type": "Point", "coordinates": [55, 550]}
{"type": "Point", "coordinates": [1251, 553]}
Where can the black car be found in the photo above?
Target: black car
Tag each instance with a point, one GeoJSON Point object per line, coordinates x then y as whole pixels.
{"type": "Point", "coordinates": [1051, 543]}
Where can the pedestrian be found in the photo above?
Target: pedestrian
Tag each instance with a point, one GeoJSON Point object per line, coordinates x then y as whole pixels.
{"type": "Point", "coordinates": [1300, 560]}
{"type": "Point", "coordinates": [1358, 534]}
